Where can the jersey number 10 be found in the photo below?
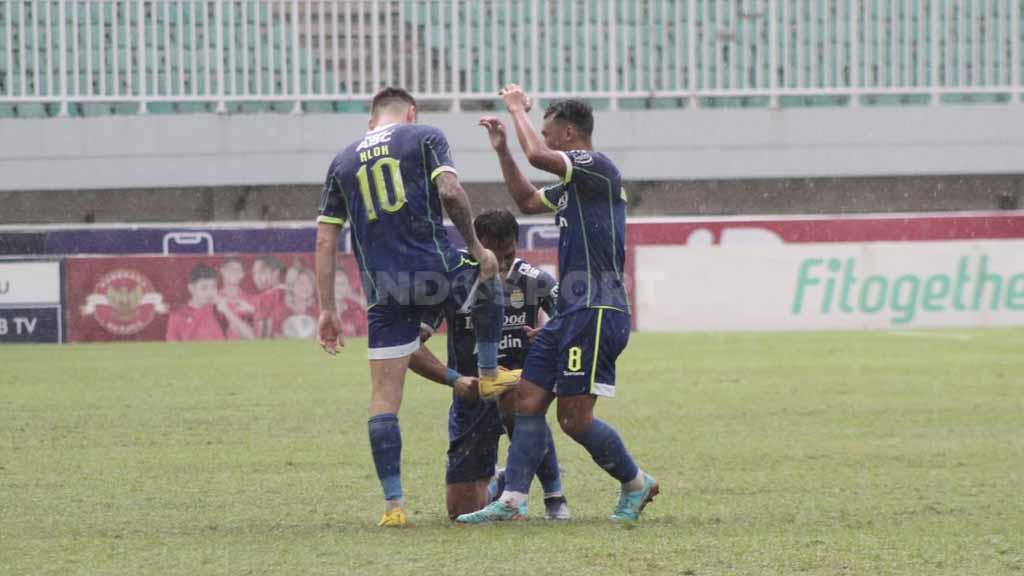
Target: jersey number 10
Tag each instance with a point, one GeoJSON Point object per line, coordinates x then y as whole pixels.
{"type": "Point", "coordinates": [379, 184]}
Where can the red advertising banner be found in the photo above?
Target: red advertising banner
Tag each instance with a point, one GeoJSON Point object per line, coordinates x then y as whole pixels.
{"type": "Point", "coordinates": [192, 297]}
{"type": "Point", "coordinates": [206, 297]}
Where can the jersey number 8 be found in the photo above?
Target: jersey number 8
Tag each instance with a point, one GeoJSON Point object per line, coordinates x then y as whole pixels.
{"type": "Point", "coordinates": [379, 185]}
{"type": "Point", "coordinates": [575, 359]}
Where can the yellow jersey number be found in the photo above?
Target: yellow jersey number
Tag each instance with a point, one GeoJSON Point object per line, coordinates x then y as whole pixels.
{"type": "Point", "coordinates": [575, 359]}
{"type": "Point", "coordinates": [380, 186]}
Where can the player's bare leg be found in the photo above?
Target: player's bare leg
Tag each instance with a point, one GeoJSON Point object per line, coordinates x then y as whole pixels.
{"type": "Point", "coordinates": [466, 497]}
{"type": "Point", "coordinates": [388, 378]}
{"type": "Point", "coordinates": [576, 417]}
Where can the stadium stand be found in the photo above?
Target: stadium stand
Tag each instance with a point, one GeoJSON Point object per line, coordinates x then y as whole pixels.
{"type": "Point", "coordinates": [817, 106]}
{"type": "Point", "coordinates": [103, 57]}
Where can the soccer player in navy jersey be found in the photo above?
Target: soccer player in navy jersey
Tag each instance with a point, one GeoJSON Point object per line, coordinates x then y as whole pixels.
{"type": "Point", "coordinates": [476, 424]}
{"type": "Point", "coordinates": [390, 186]}
{"type": "Point", "coordinates": [573, 357]}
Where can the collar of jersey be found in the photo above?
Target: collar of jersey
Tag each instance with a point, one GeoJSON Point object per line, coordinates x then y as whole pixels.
{"type": "Point", "coordinates": [512, 269]}
{"type": "Point", "coordinates": [384, 127]}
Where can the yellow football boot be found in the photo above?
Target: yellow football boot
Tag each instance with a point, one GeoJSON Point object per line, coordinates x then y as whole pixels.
{"type": "Point", "coordinates": [500, 383]}
{"type": "Point", "coordinates": [394, 518]}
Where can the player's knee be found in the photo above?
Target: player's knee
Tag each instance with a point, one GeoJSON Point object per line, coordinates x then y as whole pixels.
{"type": "Point", "coordinates": [384, 406]}
{"type": "Point", "coordinates": [574, 422]}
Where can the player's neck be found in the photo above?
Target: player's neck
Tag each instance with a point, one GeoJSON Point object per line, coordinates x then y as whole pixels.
{"type": "Point", "coordinates": [579, 145]}
{"type": "Point", "coordinates": [386, 120]}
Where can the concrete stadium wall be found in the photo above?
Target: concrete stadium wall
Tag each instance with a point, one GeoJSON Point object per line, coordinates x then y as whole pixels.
{"type": "Point", "coordinates": [222, 167]}
{"type": "Point", "coordinates": [695, 197]}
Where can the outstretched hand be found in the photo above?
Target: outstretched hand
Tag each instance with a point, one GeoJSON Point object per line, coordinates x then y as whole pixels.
{"type": "Point", "coordinates": [515, 99]}
{"type": "Point", "coordinates": [496, 132]}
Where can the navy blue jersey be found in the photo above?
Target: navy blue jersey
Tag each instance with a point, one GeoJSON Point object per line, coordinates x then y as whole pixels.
{"type": "Point", "coordinates": [590, 206]}
{"type": "Point", "coordinates": [528, 290]}
{"type": "Point", "coordinates": [383, 186]}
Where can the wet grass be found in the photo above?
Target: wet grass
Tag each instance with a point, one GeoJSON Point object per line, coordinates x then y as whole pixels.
{"type": "Point", "coordinates": [829, 453]}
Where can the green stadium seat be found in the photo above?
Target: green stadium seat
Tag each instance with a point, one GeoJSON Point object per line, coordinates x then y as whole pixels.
{"type": "Point", "coordinates": [321, 107]}
{"type": "Point", "coordinates": [254, 107]}
{"type": "Point", "coordinates": [95, 109]}
{"type": "Point", "coordinates": [160, 108]}
{"type": "Point", "coordinates": [32, 110]}
{"type": "Point", "coordinates": [126, 108]}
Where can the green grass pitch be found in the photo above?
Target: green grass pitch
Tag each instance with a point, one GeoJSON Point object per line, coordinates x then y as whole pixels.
{"type": "Point", "coordinates": [826, 453]}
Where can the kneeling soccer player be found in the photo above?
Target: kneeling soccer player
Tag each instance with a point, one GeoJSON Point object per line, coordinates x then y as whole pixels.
{"type": "Point", "coordinates": [476, 424]}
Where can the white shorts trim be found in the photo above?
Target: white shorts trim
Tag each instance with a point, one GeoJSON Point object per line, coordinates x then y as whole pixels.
{"type": "Point", "coordinates": [392, 352]}
{"type": "Point", "coordinates": [599, 389]}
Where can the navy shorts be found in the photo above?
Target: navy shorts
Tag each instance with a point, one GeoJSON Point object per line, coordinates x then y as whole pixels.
{"type": "Point", "coordinates": [575, 353]}
{"type": "Point", "coordinates": [474, 429]}
{"type": "Point", "coordinates": [394, 326]}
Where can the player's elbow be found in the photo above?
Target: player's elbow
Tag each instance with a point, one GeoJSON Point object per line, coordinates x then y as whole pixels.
{"type": "Point", "coordinates": [537, 158]}
{"type": "Point", "coordinates": [324, 244]}
{"type": "Point", "coordinates": [531, 205]}
{"type": "Point", "coordinates": [448, 187]}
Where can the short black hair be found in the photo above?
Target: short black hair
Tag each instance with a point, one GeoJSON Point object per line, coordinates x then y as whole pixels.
{"type": "Point", "coordinates": [390, 95]}
{"type": "Point", "coordinates": [498, 225]}
{"type": "Point", "coordinates": [574, 111]}
{"type": "Point", "coordinates": [201, 272]}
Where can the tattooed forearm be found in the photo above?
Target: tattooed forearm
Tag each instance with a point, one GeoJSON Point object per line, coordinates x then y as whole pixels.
{"type": "Point", "coordinates": [456, 204]}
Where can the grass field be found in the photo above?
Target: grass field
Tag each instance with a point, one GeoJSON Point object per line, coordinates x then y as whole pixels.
{"type": "Point", "coordinates": [830, 453]}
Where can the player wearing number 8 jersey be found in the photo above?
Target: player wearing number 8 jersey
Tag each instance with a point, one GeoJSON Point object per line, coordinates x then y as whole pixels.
{"type": "Point", "coordinates": [391, 186]}
{"type": "Point", "coordinates": [573, 358]}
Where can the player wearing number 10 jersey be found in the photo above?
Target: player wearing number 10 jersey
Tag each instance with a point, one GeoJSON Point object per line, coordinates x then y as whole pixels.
{"type": "Point", "coordinates": [390, 186]}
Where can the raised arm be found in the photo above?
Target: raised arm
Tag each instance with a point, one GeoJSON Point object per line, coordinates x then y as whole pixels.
{"type": "Point", "coordinates": [456, 205]}
{"type": "Point", "coordinates": [526, 197]}
{"type": "Point", "coordinates": [537, 152]}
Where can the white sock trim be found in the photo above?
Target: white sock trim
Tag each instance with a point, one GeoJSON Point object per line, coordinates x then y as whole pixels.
{"type": "Point", "coordinates": [636, 483]}
{"type": "Point", "coordinates": [512, 499]}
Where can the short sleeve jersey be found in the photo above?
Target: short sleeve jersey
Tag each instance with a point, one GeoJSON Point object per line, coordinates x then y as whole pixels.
{"type": "Point", "coordinates": [528, 290]}
{"type": "Point", "coordinates": [590, 206]}
{"type": "Point", "coordinates": [383, 186]}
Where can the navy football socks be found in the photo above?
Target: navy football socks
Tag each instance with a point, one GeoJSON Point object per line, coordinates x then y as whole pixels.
{"type": "Point", "coordinates": [488, 313]}
{"type": "Point", "coordinates": [547, 472]}
{"type": "Point", "coordinates": [525, 452]}
{"type": "Point", "coordinates": [606, 448]}
{"type": "Point", "coordinates": [386, 446]}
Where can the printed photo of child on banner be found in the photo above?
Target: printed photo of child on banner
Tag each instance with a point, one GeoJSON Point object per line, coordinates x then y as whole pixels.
{"type": "Point", "coordinates": [200, 297]}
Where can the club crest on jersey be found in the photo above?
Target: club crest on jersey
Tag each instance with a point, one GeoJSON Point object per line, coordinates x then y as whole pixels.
{"type": "Point", "coordinates": [124, 302]}
{"type": "Point", "coordinates": [563, 201]}
{"type": "Point", "coordinates": [516, 298]}
{"type": "Point", "coordinates": [582, 158]}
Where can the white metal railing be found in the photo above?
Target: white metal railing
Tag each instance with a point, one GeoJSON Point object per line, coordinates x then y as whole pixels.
{"type": "Point", "coordinates": [290, 52]}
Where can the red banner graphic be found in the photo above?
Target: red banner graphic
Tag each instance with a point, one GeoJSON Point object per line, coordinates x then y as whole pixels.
{"type": "Point", "coordinates": [178, 298]}
{"type": "Point", "coordinates": [202, 297]}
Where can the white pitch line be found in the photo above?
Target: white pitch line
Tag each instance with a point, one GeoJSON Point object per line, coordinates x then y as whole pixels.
{"type": "Point", "coordinates": [936, 335]}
